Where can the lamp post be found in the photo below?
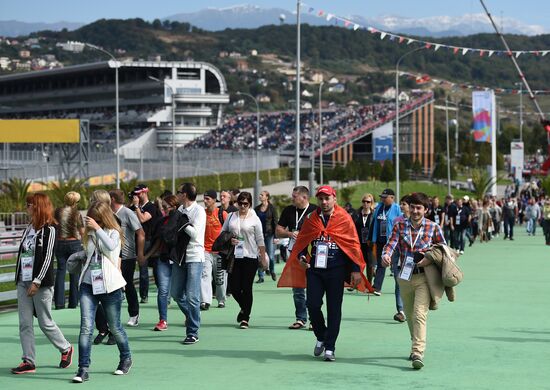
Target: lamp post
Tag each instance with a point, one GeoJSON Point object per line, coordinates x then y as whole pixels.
{"type": "Point", "coordinates": [297, 154]}
{"type": "Point", "coordinates": [173, 130]}
{"type": "Point", "coordinates": [397, 184]}
{"type": "Point", "coordinates": [320, 135]}
{"type": "Point", "coordinates": [258, 183]}
{"type": "Point", "coordinates": [85, 44]}
{"type": "Point", "coordinates": [448, 152]}
{"type": "Point", "coordinates": [520, 111]}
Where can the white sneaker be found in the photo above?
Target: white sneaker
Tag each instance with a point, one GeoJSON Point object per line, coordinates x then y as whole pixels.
{"type": "Point", "coordinates": [133, 321]}
{"type": "Point", "coordinates": [461, 252]}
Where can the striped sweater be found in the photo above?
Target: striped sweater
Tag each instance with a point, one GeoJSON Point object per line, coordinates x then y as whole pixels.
{"type": "Point", "coordinates": [42, 270]}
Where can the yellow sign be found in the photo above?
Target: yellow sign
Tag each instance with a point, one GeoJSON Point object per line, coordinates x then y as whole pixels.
{"type": "Point", "coordinates": [66, 131]}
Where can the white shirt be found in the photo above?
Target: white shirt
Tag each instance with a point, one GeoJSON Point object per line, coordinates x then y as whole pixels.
{"type": "Point", "coordinates": [250, 228]}
{"type": "Point", "coordinates": [197, 218]}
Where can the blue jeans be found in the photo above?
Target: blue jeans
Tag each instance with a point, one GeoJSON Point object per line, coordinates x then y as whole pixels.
{"type": "Point", "coordinates": [63, 250]}
{"type": "Point", "coordinates": [270, 250]}
{"type": "Point", "coordinates": [88, 305]}
{"type": "Point", "coordinates": [395, 271]}
{"type": "Point", "coordinates": [460, 235]}
{"type": "Point", "coordinates": [163, 274]}
{"type": "Point", "coordinates": [300, 304]}
{"type": "Point", "coordinates": [380, 270]}
{"type": "Point", "coordinates": [531, 226]}
{"type": "Point", "coordinates": [186, 291]}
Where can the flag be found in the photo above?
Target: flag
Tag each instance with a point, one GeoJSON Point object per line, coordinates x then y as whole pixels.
{"type": "Point", "coordinates": [483, 109]}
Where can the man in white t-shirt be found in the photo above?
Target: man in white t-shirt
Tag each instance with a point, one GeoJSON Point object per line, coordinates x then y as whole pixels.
{"type": "Point", "coordinates": [186, 277]}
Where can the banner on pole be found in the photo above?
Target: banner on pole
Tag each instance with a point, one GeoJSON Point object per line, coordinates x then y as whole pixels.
{"type": "Point", "coordinates": [483, 108]}
{"type": "Point", "coordinates": [382, 143]}
{"type": "Point", "coordinates": [516, 159]}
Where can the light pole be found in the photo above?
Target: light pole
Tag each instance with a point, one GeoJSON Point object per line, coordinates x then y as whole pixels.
{"type": "Point", "coordinates": [116, 105]}
{"type": "Point", "coordinates": [173, 130]}
{"type": "Point", "coordinates": [397, 185]}
{"type": "Point", "coordinates": [320, 134]}
{"type": "Point", "coordinates": [520, 111]}
{"type": "Point", "coordinates": [448, 152]}
{"type": "Point", "coordinates": [297, 154]}
{"type": "Point", "coordinates": [258, 184]}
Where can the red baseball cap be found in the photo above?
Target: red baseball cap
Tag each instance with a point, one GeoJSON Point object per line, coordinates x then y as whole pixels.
{"type": "Point", "coordinates": [326, 190]}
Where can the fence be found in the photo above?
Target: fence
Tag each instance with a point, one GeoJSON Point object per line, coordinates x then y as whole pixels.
{"type": "Point", "coordinates": [152, 164]}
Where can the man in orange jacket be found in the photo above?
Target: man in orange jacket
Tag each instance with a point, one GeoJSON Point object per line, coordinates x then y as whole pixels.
{"type": "Point", "coordinates": [326, 256]}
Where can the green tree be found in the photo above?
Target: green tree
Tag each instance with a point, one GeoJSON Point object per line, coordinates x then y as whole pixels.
{"type": "Point", "coordinates": [339, 173]}
{"type": "Point", "coordinates": [345, 194]}
{"type": "Point", "coordinates": [376, 170]}
{"type": "Point", "coordinates": [388, 173]}
{"type": "Point", "coordinates": [57, 191]}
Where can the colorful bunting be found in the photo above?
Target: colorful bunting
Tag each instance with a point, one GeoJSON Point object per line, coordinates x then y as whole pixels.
{"type": "Point", "coordinates": [428, 45]}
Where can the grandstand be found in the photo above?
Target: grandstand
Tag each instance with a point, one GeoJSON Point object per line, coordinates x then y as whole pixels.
{"type": "Point", "coordinates": [88, 92]}
{"type": "Point", "coordinates": [347, 132]}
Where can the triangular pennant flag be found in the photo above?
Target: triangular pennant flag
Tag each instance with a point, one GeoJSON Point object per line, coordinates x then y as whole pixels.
{"type": "Point", "coordinates": [518, 53]}
{"type": "Point", "coordinates": [356, 27]}
{"type": "Point", "coordinates": [509, 53]}
{"type": "Point", "coordinates": [491, 53]}
{"type": "Point", "coordinates": [401, 39]}
{"type": "Point", "coordinates": [428, 45]}
{"type": "Point", "coordinates": [392, 37]}
{"type": "Point", "coordinates": [383, 35]}
{"type": "Point", "coordinates": [437, 46]}
{"type": "Point", "coordinates": [329, 16]}
{"type": "Point", "coordinates": [455, 50]}
{"type": "Point", "coordinates": [347, 23]}
{"type": "Point", "coordinates": [321, 13]}
{"type": "Point", "coordinates": [544, 53]}
{"type": "Point", "coordinates": [371, 29]}
{"type": "Point", "coordinates": [310, 10]}
{"type": "Point", "coordinates": [410, 41]}
{"type": "Point", "coordinates": [465, 50]}
{"type": "Point", "coordinates": [481, 52]}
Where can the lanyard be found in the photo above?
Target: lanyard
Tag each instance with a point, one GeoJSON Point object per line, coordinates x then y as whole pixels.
{"type": "Point", "coordinates": [365, 217]}
{"type": "Point", "coordinates": [417, 236]}
{"type": "Point", "coordinates": [301, 216]}
{"type": "Point", "coordinates": [323, 218]}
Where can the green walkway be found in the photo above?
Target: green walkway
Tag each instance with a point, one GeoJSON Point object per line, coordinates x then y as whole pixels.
{"type": "Point", "coordinates": [495, 336]}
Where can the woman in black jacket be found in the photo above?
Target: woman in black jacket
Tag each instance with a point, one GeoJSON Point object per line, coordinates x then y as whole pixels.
{"type": "Point", "coordinates": [268, 215]}
{"type": "Point", "coordinates": [34, 277]}
{"type": "Point", "coordinates": [363, 220]}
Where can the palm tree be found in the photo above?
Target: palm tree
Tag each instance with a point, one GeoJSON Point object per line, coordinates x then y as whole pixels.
{"type": "Point", "coordinates": [57, 191]}
{"type": "Point", "coordinates": [16, 189]}
{"type": "Point", "coordinates": [482, 181]}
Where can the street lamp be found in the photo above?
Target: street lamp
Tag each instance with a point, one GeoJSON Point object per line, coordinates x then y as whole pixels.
{"type": "Point", "coordinates": [397, 117]}
{"type": "Point", "coordinates": [258, 184]}
{"type": "Point", "coordinates": [116, 103]}
{"type": "Point", "coordinates": [297, 154]}
{"type": "Point", "coordinates": [448, 152]}
{"type": "Point", "coordinates": [320, 135]}
{"type": "Point", "coordinates": [173, 130]}
{"type": "Point", "coordinates": [520, 111]}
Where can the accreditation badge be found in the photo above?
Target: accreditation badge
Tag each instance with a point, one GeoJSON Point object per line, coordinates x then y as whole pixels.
{"type": "Point", "coordinates": [27, 259]}
{"type": "Point", "coordinates": [407, 268]}
{"type": "Point", "coordinates": [96, 273]}
{"type": "Point", "coordinates": [321, 255]}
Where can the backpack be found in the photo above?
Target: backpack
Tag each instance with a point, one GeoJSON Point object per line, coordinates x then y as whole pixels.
{"type": "Point", "coordinates": [220, 215]}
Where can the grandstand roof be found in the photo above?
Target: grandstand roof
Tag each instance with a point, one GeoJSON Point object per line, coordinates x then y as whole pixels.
{"type": "Point", "coordinates": [110, 64]}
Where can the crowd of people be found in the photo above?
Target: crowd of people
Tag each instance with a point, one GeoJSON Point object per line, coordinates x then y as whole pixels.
{"type": "Point", "coordinates": [277, 130]}
{"type": "Point", "coordinates": [203, 252]}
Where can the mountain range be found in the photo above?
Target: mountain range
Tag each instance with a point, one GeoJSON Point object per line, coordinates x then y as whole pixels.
{"type": "Point", "coordinates": [252, 16]}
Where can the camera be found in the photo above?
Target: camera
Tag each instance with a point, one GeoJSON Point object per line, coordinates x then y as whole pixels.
{"type": "Point", "coordinates": [131, 195]}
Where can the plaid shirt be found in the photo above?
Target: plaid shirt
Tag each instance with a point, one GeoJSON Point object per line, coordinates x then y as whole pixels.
{"type": "Point", "coordinates": [401, 235]}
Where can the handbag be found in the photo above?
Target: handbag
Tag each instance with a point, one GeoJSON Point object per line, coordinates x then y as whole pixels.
{"type": "Point", "coordinates": [74, 262]}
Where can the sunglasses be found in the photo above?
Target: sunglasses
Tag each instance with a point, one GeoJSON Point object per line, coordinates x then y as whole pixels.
{"type": "Point", "coordinates": [29, 204]}
{"type": "Point", "coordinates": [366, 201]}
{"type": "Point", "coordinates": [243, 204]}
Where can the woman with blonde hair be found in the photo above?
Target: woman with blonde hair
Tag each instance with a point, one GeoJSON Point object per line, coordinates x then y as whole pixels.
{"type": "Point", "coordinates": [101, 281]}
{"type": "Point", "coordinates": [34, 277]}
{"type": "Point", "coordinates": [363, 221]}
{"type": "Point", "coordinates": [70, 229]}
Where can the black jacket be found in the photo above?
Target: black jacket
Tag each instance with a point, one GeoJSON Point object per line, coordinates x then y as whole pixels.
{"type": "Point", "coordinates": [44, 244]}
{"type": "Point", "coordinates": [270, 219]}
{"type": "Point", "coordinates": [174, 236]}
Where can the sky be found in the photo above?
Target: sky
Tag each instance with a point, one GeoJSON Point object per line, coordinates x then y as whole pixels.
{"type": "Point", "coordinates": [527, 11]}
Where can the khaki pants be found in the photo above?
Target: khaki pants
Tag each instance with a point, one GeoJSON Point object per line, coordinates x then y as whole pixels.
{"type": "Point", "coordinates": [416, 301]}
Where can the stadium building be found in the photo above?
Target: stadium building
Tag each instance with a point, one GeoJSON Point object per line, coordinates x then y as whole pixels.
{"type": "Point", "coordinates": [197, 90]}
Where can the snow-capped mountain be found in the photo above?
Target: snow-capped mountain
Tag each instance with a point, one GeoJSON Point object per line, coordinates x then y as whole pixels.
{"type": "Point", "coordinates": [14, 28]}
{"type": "Point", "coordinates": [251, 16]}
